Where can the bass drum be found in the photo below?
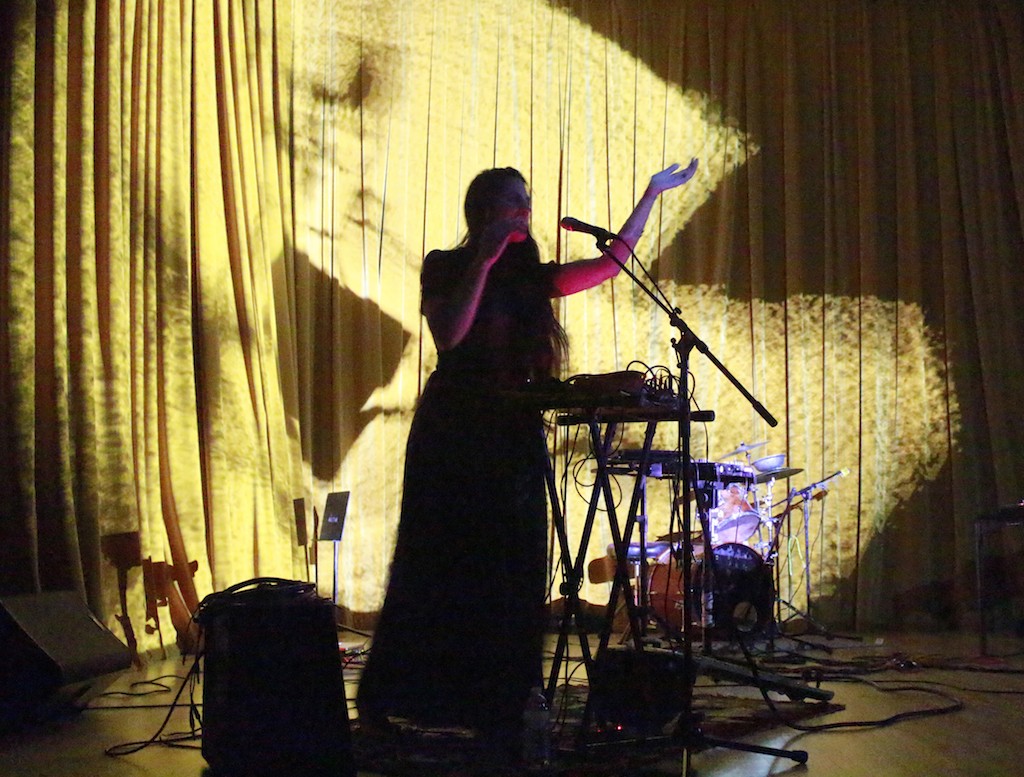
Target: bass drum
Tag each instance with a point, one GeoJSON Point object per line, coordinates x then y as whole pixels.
{"type": "Point", "coordinates": [741, 599]}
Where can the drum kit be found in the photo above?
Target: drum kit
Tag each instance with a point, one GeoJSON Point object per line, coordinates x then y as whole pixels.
{"type": "Point", "coordinates": [732, 576]}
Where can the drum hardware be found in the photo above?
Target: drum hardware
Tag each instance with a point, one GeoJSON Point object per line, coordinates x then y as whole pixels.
{"type": "Point", "coordinates": [765, 505]}
{"type": "Point", "coordinates": [737, 524]}
{"type": "Point", "coordinates": [745, 448]}
{"type": "Point", "coordinates": [737, 604]}
{"type": "Point", "coordinates": [777, 474]}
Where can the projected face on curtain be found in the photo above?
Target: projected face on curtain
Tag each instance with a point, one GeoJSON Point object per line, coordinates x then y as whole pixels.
{"type": "Point", "coordinates": [399, 105]}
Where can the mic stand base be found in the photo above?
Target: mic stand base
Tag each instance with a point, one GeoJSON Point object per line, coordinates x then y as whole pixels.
{"type": "Point", "coordinates": [813, 627]}
{"type": "Point", "coordinates": [695, 740]}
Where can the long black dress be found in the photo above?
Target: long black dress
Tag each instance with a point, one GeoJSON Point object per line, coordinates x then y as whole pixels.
{"type": "Point", "coordinates": [460, 635]}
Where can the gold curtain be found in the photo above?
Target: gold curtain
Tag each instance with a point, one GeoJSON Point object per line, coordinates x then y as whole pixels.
{"type": "Point", "coordinates": [214, 214]}
{"type": "Point", "coordinates": [147, 200]}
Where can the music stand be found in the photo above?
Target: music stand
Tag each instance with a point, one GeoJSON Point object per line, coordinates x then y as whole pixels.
{"type": "Point", "coordinates": [330, 530]}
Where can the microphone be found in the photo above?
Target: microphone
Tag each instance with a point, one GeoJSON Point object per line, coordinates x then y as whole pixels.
{"type": "Point", "coordinates": [840, 474]}
{"type": "Point", "coordinates": [575, 225]}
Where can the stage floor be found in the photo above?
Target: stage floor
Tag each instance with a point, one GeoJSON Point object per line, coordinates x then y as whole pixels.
{"type": "Point", "coordinates": [982, 738]}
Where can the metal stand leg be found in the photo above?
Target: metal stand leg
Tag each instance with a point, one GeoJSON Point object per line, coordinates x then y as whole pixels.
{"type": "Point", "coordinates": [570, 588]}
{"type": "Point", "coordinates": [979, 532]}
{"type": "Point", "coordinates": [334, 596]}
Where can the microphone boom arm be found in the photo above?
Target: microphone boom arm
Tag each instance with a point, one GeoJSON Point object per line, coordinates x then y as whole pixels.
{"type": "Point", "coordinates": [686, 334]}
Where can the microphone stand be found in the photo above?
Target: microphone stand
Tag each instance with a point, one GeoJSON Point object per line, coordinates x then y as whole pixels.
{"type": "Point", "coordinates": [687, 342]}
{"type": "Point", "coordinates": [807, 494]}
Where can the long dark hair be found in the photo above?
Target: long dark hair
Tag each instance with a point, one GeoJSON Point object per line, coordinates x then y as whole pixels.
{"type": "Point", "coordinates": [481, 194]}
{"type": "Point", "coordinates": [540, 323]}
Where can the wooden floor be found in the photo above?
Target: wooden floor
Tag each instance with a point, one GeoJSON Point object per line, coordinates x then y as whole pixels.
{"type": "Point", "coordinates": [986, 737]}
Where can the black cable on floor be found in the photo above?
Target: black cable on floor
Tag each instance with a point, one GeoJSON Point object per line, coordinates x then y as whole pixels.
{"type": "Point", "coordinates": [955, 705]}
{"type": "Point", "coordinates": [127, 748]}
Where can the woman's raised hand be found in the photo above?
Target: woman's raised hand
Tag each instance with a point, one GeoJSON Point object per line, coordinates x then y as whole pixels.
{"type": "Point", "coordinates": [672, 176]}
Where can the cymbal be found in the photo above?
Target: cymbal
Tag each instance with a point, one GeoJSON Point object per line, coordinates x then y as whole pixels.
{"type": "Point", "coordinates": [744, 447]}
{"type": "Point", "coordinates": [777, 474]}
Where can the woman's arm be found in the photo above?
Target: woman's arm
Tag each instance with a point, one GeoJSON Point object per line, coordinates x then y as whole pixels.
{"type": "Point", "coordinates": [582, 274]}
{"type": "Point", "coordinates": [451, 316]}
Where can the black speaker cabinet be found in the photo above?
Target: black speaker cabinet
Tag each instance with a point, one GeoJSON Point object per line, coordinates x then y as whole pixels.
{"type": "Point", "coordinates": [54, 656]}
{"type": "Point", "coordinates": [640, 691]}
{"type": "Point", "coordinates": [273, 693]}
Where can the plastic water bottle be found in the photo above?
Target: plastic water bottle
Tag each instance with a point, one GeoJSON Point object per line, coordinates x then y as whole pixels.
{"type": "Point", "coordinates": [536, 730]}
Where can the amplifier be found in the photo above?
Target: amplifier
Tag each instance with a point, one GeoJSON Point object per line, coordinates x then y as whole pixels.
{"type": "Point", "coordinates": [273, 693]}
{"type": "Point", "coordinates": [639, 691]}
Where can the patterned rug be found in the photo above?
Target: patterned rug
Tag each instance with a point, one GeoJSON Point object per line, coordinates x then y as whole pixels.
{"type": "Point", "coordinates": [646, 743]}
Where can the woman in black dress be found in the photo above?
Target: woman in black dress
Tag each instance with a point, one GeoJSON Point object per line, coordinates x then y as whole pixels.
{"type": "Point", "coordinates": [459, 640]}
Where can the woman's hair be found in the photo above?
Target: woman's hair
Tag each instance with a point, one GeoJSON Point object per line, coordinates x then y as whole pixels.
{"type": "Point", "coordinates": [481, 195]}
{"type": "Point", "coordinates": [538, 324]}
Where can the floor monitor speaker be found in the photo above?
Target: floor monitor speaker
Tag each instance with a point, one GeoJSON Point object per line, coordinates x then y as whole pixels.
{"type": "Point", "coordinates": [54, 656]}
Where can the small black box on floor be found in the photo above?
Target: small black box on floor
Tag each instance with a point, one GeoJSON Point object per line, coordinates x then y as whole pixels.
{"type": "Point", "coordinates": [640, 691]}
{"type": "Point", "coordinates": [273, 692]}
{"type": "Point", "coordinates": [54, 656]}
